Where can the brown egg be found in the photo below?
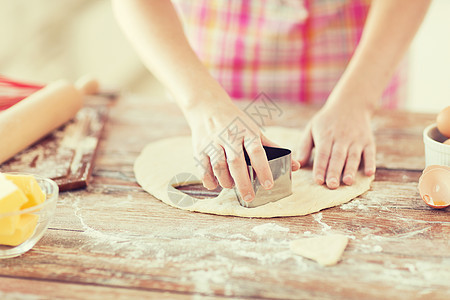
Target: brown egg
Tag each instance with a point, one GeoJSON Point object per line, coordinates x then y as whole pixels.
{"type": "Point", "coordinates": [434, 186]}
{"type": "Point", "coordinates": [443, 121]}
{"type": "Point", "coordinates": [447, 142]}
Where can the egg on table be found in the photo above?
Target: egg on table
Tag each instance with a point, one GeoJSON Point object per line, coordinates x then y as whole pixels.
{"type": "Point", "coordinates": [443, 122]}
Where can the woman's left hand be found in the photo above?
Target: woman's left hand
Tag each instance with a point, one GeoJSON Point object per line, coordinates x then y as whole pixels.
{"type": "Point", "coordinates": [341, 135]}
{"type": "Point", "coordinates": [341, 131]}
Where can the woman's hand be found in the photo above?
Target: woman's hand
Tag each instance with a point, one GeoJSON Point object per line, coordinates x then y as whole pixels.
{"type": "Point", "coordinates": [341, 131]}
{"type": "Point", "coordinates": [341, 134]}
{"type": "Point", "coordinates": [220, 132]}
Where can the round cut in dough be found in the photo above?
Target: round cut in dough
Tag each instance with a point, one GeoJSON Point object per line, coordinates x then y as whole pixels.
{"type": "Point", "coordinates": [169, 162]}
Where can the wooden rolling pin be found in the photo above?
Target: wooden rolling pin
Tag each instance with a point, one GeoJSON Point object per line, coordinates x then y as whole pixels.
{"type": "Point", "coordinates": [36, 116]}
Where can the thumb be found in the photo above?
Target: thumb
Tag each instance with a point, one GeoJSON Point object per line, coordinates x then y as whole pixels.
{"type": "Point", "coordinates": [306, 146]}
{"type": "Point", "coordinates": [266, 142]}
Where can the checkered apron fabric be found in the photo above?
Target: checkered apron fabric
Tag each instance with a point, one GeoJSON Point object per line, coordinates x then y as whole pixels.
{"type": "Point", "coordinates": [291, 50]}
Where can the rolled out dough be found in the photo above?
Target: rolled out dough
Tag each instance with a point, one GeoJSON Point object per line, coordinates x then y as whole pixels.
{"type": "Point", "coordinates": [170, 161]}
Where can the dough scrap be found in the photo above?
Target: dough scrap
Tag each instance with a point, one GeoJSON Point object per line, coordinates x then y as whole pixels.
{"type": "Point", "coordinates": [169, 162]}
{"type": "Point", "coordinates": [326, 250]}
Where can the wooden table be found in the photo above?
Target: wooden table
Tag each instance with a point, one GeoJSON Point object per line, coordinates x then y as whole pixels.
{"type": "Point", "coordinates": [112, 240]}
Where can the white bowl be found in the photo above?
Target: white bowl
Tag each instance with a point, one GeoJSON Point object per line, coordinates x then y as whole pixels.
{"type": "Point", "coordinates": [44, 211]}
{"type": "Point", "coordinates": [436, 152]}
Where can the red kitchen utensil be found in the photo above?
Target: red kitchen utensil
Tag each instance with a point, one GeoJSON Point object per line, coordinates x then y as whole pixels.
{"type": "Point", "coordinates": [13, 91]}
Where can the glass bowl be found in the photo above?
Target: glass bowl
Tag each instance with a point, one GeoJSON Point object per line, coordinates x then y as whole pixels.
{"type": "Point", "coordinates": [41, 215]}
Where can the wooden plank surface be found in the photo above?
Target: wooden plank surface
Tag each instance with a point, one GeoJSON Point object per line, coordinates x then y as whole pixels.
{"type": "Point", "coordinates": [113, 240]}
{"type": "Point", "coordinates": [67, 154]}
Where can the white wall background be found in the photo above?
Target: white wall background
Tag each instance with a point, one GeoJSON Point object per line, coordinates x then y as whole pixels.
{"type": "Point", "coordinates": [429, 79]}
{"type": "Point", "coordinates": [43, 40]}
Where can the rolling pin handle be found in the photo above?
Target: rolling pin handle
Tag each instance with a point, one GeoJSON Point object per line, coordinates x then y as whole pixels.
{"type": "Point", "coordinates": [88, 85]}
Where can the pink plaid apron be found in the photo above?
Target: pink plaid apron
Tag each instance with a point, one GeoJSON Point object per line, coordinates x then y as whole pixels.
{"type": "Point", "coordinates": [292, 50]}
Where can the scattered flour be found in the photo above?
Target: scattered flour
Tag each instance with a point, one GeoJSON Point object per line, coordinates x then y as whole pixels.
{"type": "Point", "coordinates": [194, 243]}
{"type": "Point", "coordinates": [355, 204]}
{"type": "Point", "coordinates": [194, 251]}
{"type": "Point", "coordinates": [131, 245]}
{"type": "Point", "coordinates": [377, 248]}
{"type": "Point", "coordinates": [84, 146]}
{"type": "Point", "coordinates": [203, 279]}
{"type": "Point", "coordinates": [371, 248]}
{"type": "Point", "coordinates": [318, 219]}
{"type": "Point", "coordinates": [372, 237]}
{"type": "Point", "coordinates": [413, 233]}
{"type": "Point", "coordinates": [439, 276]}
{"type": "Point", "coordinates": [239, 237]}
{"type": "Point", "coordinates": [243, 271]}
{"type": "Point", "coordinates": [268, 227]}
{"type": "Point", "coordinates": [412, 268]}
{"type": "Point", "coordinates": [160, 254]}
{"type": "Point", "coordinates": [396, 237]}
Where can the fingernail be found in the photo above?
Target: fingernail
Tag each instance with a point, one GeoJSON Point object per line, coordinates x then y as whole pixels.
{"type": "Point", "coordinates": [348, 178]}
{"type": "Point", "coordinates": [268, 184]}
{"type": "Point", "coordinates": [319, 179]}
{"type": "Point", "coordinates": [332, 182]}
{"type": "Point", "coordinates": [370, 171]}
{"type": "Point", "coordinates": [248, 198]}
{"type": "Point", "coordinates": [210, 186]}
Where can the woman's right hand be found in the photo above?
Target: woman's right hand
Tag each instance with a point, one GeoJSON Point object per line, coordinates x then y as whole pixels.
{"type": "Point", "coordinates": [220, 132]}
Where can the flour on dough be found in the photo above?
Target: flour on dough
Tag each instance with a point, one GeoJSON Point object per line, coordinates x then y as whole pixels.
{"type": "Point", "coordinates": [169, 162]}
{"type": "Point", "coordinates": [326, 250]}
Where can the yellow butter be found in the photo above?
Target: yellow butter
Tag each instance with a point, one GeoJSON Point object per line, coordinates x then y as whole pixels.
{"type": "Point", "coordinates": [11, 200]}
{"type": "Point", "coordinates": [29, 186]}
{"type": "Point", "coordinates": [8, 224]}
{"type": "Point", "coordinates": [25, 228]}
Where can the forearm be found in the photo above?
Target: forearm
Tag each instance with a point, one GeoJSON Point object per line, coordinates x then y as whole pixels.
{"type": "Point", "coordinates": [388, 32]}
{"type": "Point", "coordinates": [155, 31]}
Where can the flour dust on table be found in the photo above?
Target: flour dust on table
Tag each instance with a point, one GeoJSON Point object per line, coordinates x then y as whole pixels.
{"type": "Point", "coordinates": [169, 162]}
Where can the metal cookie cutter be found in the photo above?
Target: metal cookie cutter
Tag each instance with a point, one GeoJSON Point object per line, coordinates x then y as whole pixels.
{"type": "Point", "coordinates": [280, 165]}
